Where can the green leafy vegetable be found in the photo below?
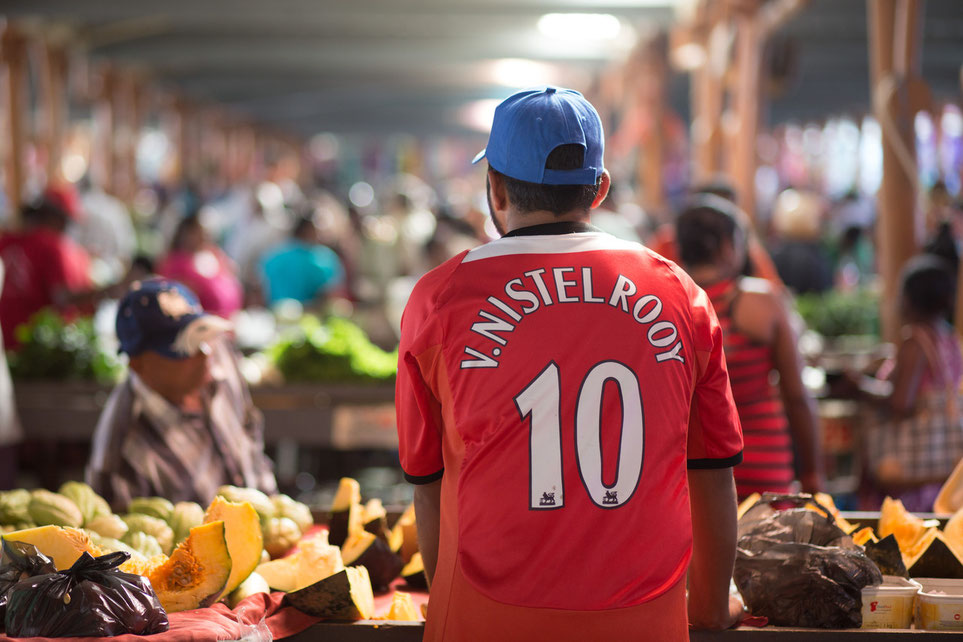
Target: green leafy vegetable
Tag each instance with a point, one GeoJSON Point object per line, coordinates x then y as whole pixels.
{"type": "Point", "coordinates": [55, 349]}
{"type": "Point", "coordinates": [334, 350]}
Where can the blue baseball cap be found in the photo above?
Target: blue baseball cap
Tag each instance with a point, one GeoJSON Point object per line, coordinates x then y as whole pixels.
{"type": "Point", "coordinates": [165, 317]}
{"type": "Point", "coordinates": [530, 124]}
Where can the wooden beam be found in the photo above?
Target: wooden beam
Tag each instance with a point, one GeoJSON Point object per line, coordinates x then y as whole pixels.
{"type": "Point", "coordinates": [747, 101]}
{"type": "Point", "coordinates": [54, 83]}
{"type": "Point", "coordinates": [896, 97]}
{"type": "Point", "coordinates": [650, 89]}
{"type": "Point", "coordinates": [103, 165]}
{"type": "Point", "coordinates": [13, 49]}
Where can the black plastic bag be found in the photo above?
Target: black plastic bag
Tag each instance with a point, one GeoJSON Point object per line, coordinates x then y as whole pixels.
{"type": "Point", "coordinates": [20, 561]}
{"type": "Point", "coordinates": [90, 599]}
{"type": "Point", "coordinates": [797, 568]}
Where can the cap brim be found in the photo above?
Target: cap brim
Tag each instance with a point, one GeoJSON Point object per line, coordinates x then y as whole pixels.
{"type": "Point", "coordinates": [198, 332]}
{"type": "Point", "coordinates": [480, 155]}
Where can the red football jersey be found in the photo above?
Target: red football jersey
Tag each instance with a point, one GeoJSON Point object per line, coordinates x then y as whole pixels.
{"type": "Point", "coordinates": [560, 384]}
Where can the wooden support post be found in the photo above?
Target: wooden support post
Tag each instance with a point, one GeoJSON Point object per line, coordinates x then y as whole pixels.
{"type": "Point", "coordinates": [13, 48]}
{"type": "Point", "coordinates": [746, 101]}
{"type": "Point", "coordinates": [187, 141]}
{"type": "Point", "coordinates": [651, 96]}
{"type": "Point", "coordinates": [706, 134]}
{"type": "Point", "coordinates": [54, 79]}
{"type": "Point", "coordinates": [896, 99]}
{"type": "Point", "coordinates": [132, 94]}
{"type": "Point", "coordinates": [103, 158]}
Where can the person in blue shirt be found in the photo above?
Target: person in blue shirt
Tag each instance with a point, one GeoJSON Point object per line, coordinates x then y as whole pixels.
{"type": "Point", "coordinates": [302, 268]}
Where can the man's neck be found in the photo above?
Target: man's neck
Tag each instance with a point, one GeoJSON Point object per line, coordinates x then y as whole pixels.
{"type": "Point", "coordinates": [518, 220]}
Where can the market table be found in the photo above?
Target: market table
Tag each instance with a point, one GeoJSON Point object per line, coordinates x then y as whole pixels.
{"type": "Point", "coordinates": [371, 631]}
{"type": "Point", "coordinates": [343, 416]}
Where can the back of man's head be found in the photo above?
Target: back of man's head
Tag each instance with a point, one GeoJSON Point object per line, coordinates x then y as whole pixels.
{"type": "Point", "coordinates": [548, 145]}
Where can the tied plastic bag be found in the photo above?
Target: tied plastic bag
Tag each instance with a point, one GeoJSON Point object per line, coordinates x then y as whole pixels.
{"type": "Point", "coordinates": [20, 561]}
{"type": "Point", "coordinates": [797, 568]}
{"type": "Point", "coordinates": [90, 599]}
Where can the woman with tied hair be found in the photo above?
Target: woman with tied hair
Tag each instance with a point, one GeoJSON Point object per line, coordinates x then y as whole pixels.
{"type": "Point", "coordinates": [778, 418]}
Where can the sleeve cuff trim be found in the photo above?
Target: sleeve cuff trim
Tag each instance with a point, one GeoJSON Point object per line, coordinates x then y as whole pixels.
{"type": "Point", "coordinates": [424, 479]}
{"type": "Point", "coordinates": [708, 464]}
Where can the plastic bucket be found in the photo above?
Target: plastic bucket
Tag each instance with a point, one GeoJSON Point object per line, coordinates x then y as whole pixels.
{"type": "Point", "coordinates": [940, 605]}
{"type": "Point", "coordinates": [890, 605]}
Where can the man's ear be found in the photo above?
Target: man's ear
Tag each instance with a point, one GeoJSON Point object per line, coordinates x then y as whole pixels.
{"type": "Point", "coordinates": [604, 184]}
{"type": "Point", "coordinates": [499, 195]}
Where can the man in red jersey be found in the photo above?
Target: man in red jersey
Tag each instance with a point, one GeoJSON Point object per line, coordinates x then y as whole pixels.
{"type": "Point", "coordinates": [562, 401]}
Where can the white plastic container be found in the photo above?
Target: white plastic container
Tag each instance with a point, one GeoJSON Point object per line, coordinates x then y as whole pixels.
{"type": "Point", "coordinates": [890, 605]}
{"type": "Point", "coordinates": [940, 605]}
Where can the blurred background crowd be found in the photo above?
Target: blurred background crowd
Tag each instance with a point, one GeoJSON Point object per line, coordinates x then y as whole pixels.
{"type": "Point", "coordinates": [112, 174]}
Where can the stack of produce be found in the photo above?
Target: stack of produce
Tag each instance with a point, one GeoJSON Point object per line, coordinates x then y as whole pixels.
{"type": "Point", "coordinates": [195, 557]}
{"type": "Point", "coordinates": [357, 557]}
{"type": "Point", "coordinates": [334, 350]}
{"type": "Point", "coordinates": [912, 547]}
{"type": "Point", "coordinates": [53, 349]}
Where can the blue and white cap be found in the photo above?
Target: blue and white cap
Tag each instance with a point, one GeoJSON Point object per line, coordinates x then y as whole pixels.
{"type": "Point", "coordinates": [165, 317]}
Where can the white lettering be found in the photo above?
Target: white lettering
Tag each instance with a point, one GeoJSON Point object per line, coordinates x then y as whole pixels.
{"type": "Point", "coordinates": [666, 339]}
{"type": "Point", "coordinates": [480, 360]}
{"type": "Point", "coordinates": [561, 284]}
{"type": "Point", "coordinates": [504, 307]}
{"type": "Point", "coordinates": [587, 287]}
{"type": "Point", "coordinates": [497, 325]}
{"type": "Point", "coordinates": [671, 354]}
{"type": "Point", "coordinates": [521, 295]}
{"type": "Point", "coordinates": [652, 314]}
{"type": "Point", "coordinates": [536, 275]}
{"type": "Point", "coordinates": [623, 289]}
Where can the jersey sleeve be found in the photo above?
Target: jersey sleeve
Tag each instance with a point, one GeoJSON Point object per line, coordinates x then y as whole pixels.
{"type": "Point", "coordinates": [715, 433]}
{"type": "Point", "coordinates": [417, 408]}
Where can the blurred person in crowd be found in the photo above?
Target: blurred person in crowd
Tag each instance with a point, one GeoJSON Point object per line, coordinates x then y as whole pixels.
{"type": "Point", "coordinates": [452, 236]}
{"type": "Point", "coordinates": [758, 262]}
{"type": "Point", "coordinates": [918, 439]}
{"type": "Point", "coordinates": [182, 423]}
{"type": "Point", "coordinates": [44, 266]}
{"type": "Point", "coordinates": [804, 264]}
{"type": "Point", "coordinates": [10, 432]}
{"type": "Point", "coordinates": [260, 222]}
{"type": "Point", "coordinates": [195, 261]}
{"type": "Point", "coordinates": [942, 225]}
{"type": "Point", "coordinates": [523, 360]}
{"type": "Point", "coordinates": [853, 256]}
{"type": "Point", "coordinates": [303, 268]}
{"type": "Point", "coordinates": [759, 340]}
{"type": "Point", "coordinates": [107, 232]}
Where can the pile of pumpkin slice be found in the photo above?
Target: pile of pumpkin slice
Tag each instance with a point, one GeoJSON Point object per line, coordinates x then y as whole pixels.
{"type": "Point", "coordinates": [223, 557]}
{"type": "Point", "coordinates": [902, 544]}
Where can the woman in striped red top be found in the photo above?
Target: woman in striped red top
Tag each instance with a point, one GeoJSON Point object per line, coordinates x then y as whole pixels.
{"type": "Point", "coordinates": [778, 415]}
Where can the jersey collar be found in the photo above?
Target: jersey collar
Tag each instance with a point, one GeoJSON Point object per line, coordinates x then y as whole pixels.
{"type": "Point", "coordinates": [562, 227]}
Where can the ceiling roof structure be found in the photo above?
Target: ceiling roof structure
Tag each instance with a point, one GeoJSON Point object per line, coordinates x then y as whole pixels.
{"type": "Point", "coordinates": [414, 66]}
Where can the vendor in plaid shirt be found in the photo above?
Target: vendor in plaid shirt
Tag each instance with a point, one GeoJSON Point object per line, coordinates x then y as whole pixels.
{"type": "Point", "coordinates": [182, 423]}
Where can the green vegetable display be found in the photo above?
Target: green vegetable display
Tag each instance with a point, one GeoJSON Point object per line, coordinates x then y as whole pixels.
{"type": "Point", "coordinates": [334, 350]}
{"type": "Point", "coordinates": [55, 349]}
{"type": "Point", "coordinates": [837, 314]}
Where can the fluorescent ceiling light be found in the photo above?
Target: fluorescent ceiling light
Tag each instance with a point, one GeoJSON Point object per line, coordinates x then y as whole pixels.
{"type": "Point", "coordinates": [628, 4]}
{"type": "Point", "coordinates": [519, 72]}
{"type": "Point", "coordinates": [580, 26]}
{"type": "Point", "coordinates": [478, 115]}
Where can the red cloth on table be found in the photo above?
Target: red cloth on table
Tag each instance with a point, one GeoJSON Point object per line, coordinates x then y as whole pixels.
{"type": "Point", "coordinates": [220, 623]}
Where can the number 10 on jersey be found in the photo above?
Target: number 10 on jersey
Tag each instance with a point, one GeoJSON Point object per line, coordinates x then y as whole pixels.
{"type": "Point", "coordinates": [540, 403]}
